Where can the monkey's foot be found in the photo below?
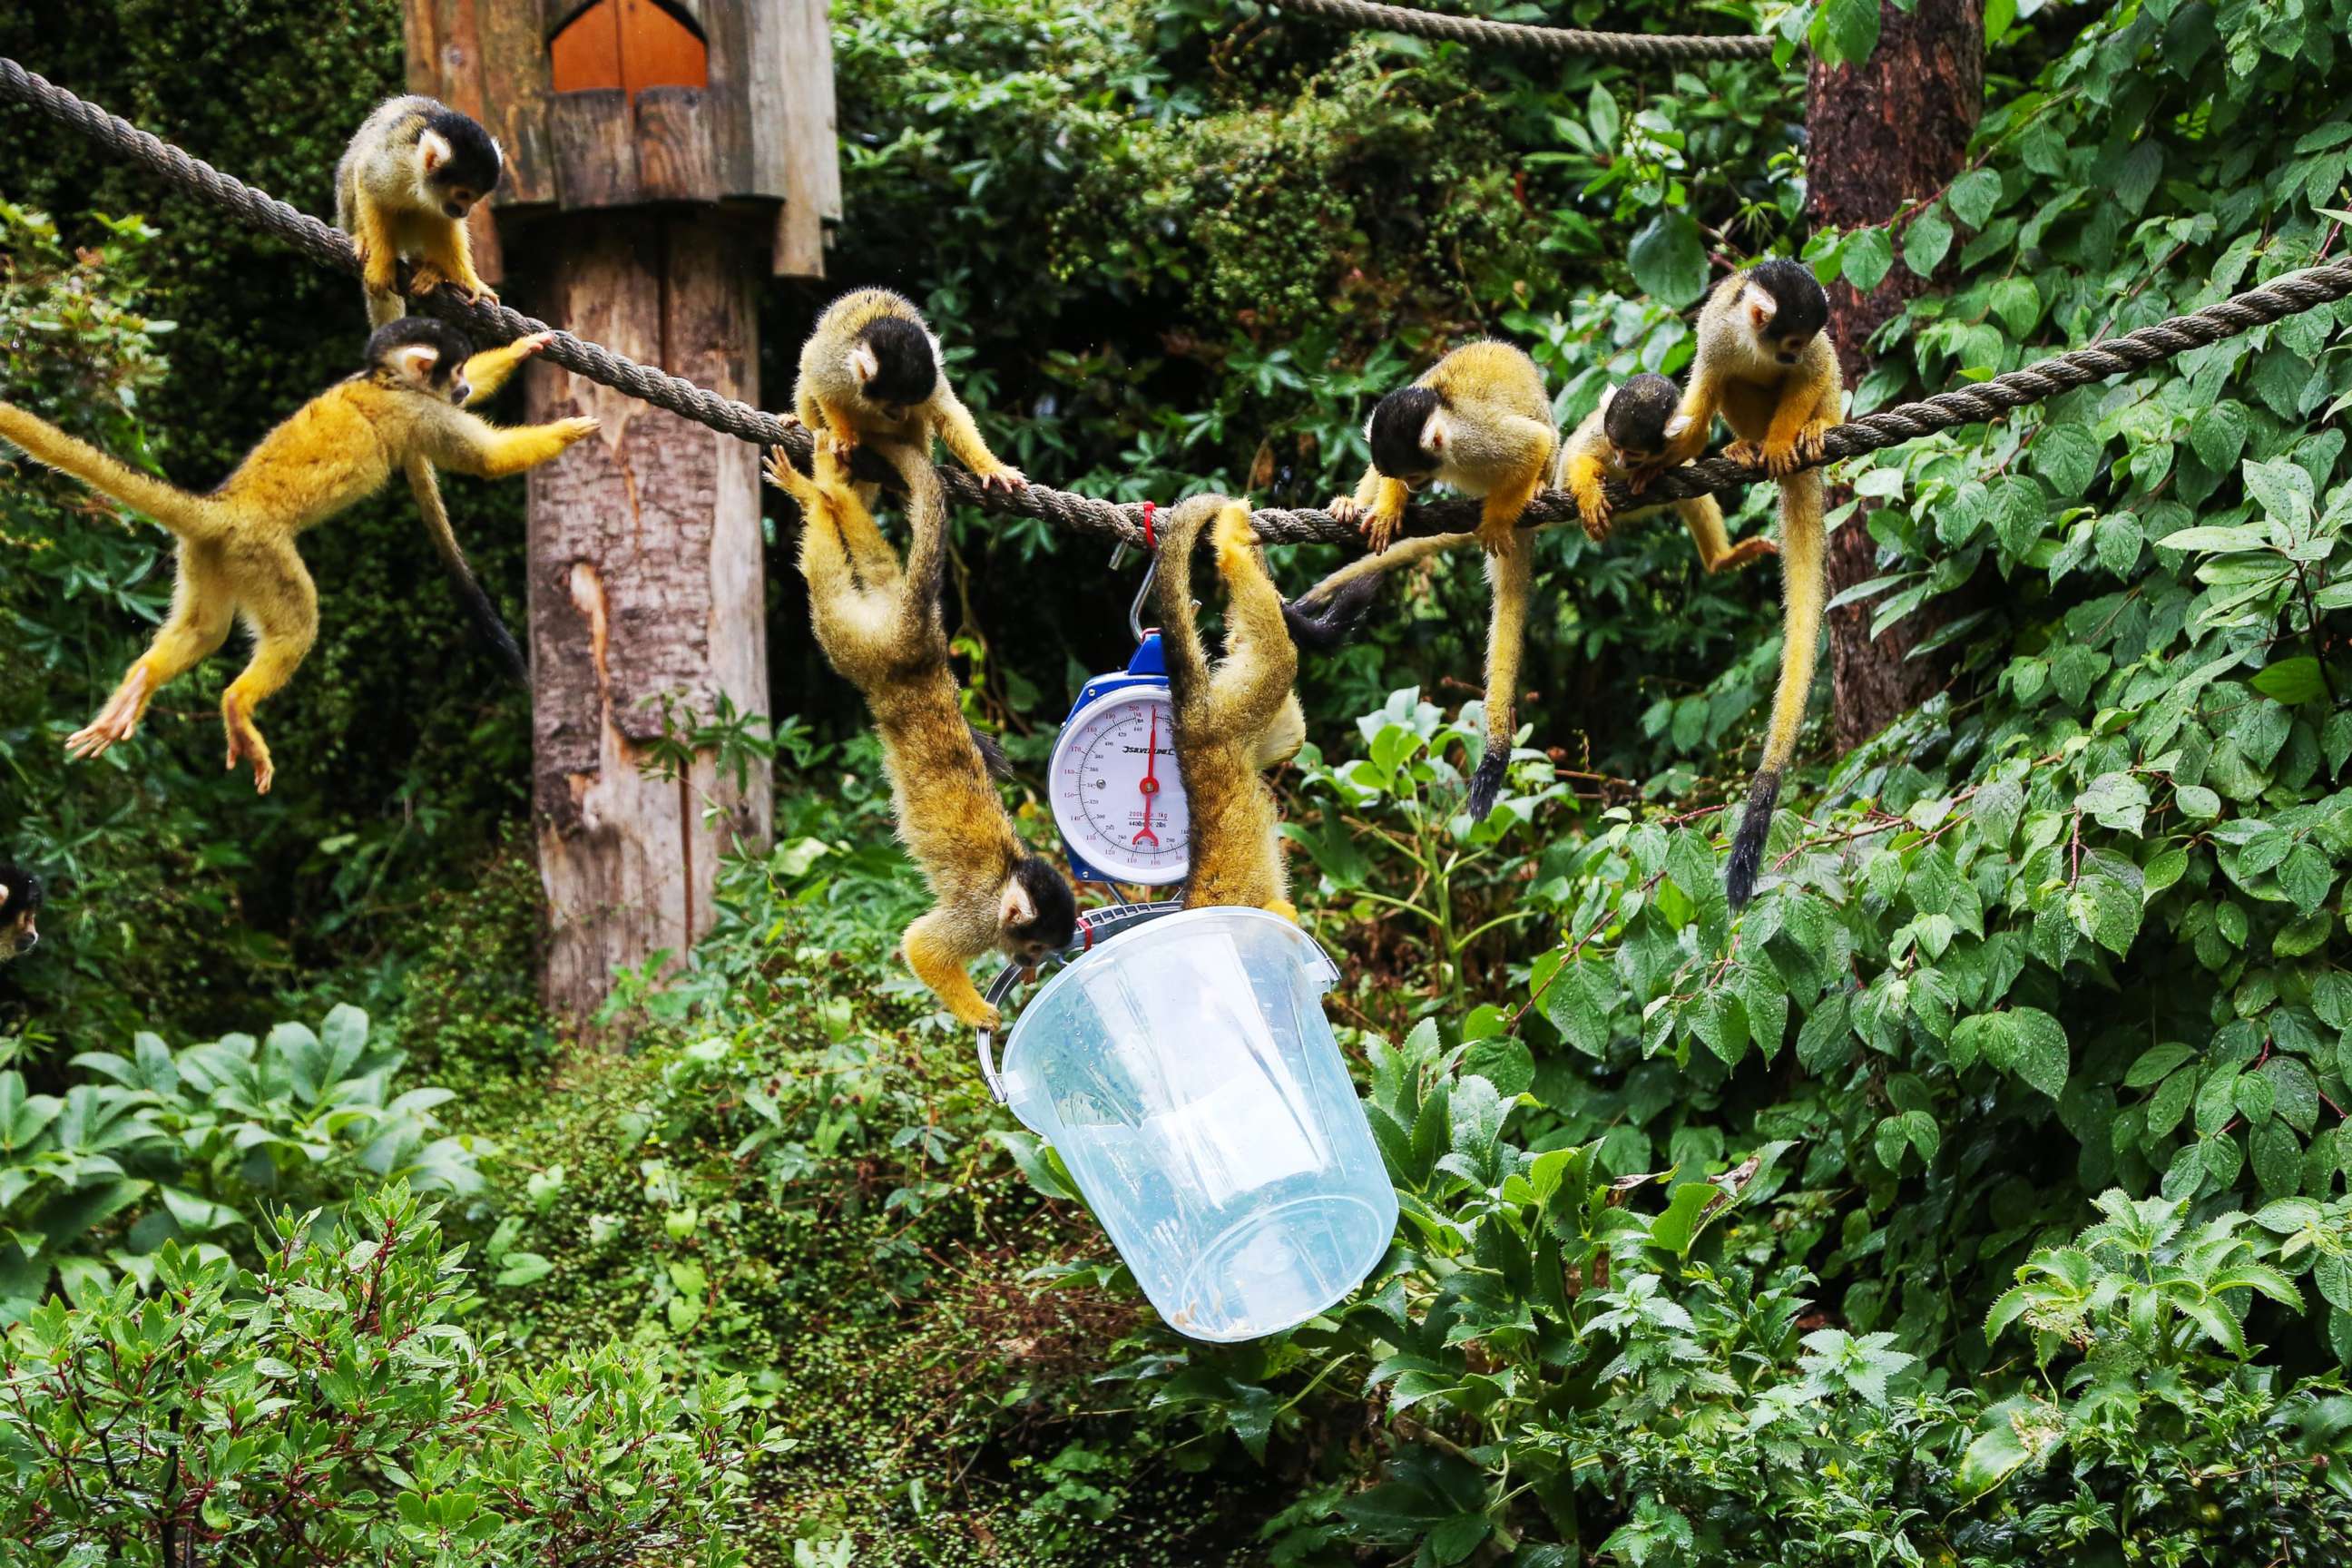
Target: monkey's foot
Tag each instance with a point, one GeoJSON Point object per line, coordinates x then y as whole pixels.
{"type": "Point", "coordinates": [1812, 437]}
{"type": "Point", "coordinates": [1779, 460]}
{"type": "Point", "coordinates": [424, 278]}
{"type": "Point", "coordinates": [1748, 454]}
{"type": "Point", "coordinates": [115, 721]}
{"type": "Point", "coordinates": [1592, 511]}
{"type": "Point", "coordinates": [481, 293]}
{"type": "Point", "coordinates": [1346, 510]}
{"type": "Point", "coordinates": [1745, 552]}
{"type": "Point", "coordinates": [1379, 529]}
{"type": "Point", "coordinates": [1637, 480]}
{"type": "Point", "coordinates": [532, 345]}
{"type": "Point", "coordinates": [1501, 541]}
{"type": "Point", "coordinates": [244, 742]}
{"type": "Point", "coordinates": [579, 427]}
{"type": "Point", "coordinates": [1007, 479]}
{"type": "Point", "coordinates": [782, 475]}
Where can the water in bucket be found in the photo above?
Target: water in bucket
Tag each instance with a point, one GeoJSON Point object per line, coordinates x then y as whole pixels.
{"type": "Point", "coordinates": [1186, 1074]}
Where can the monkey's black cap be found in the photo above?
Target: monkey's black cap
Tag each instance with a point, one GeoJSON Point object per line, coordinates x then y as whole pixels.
{"type": "Point", "coordinates": [905, 367]}
{"type": "Point", "coordinates": [1057, 920]}
{"type": "Point", "coordinates": [23, 889]}
{"type": "Point", "coordinates": [1639, 413]}
{"type": "Point", "coordinates": [475, 162]}
{"type": "Point", "coordinates": [1802, 305]}
{"type": "Point", "coordinates": [1394, 432]}
{"type": "Point", "coordinates": [454, 346]}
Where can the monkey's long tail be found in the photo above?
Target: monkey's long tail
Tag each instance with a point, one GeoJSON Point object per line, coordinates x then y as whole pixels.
{"type": "Point", "coordinates": [200, 519]}
{"type": "Point", "coordinates": [1506, 631]}
{"type": "Point", "coordinates": [926, 544]}
{"type": "Point", "coordinates": [1327, 615]}
{"type": "Point", "coordinates": [1801, 614]}
{"type": "Point", "coordinates": [427, 488]}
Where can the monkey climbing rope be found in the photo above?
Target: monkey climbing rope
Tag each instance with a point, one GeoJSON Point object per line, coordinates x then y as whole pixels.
{"type": "Point", "coordinates": [2283, 296]}
{"type": "Point", "coordinates": [1638, 48]}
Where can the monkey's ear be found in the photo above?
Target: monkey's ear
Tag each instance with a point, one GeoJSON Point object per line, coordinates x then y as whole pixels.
{"type": "Point", "coordinates": [1676, 425]}
{"type": "Point", "coordinates": [1761, 307]}
{"type": "Point", "coordinates": [1014, 907]}
{"type": "Point", "coordinates": [416, 362]}
{"type": "Point", "coordinates": [1433, 431]}
{"type": "Point", "coordinates": [433, 151]}
{"type": "Point", "coordinates": [1608, 396]}
{"type": "Point", "coordinates": [4, 891]}
{"type": "Point", "coordinates": [864, 363]}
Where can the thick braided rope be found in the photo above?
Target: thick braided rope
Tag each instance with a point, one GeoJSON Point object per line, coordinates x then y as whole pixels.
{"type": "Point", "coordinates": [489, 322]}
{"type": "Point", "coordinates": [1640, 48]}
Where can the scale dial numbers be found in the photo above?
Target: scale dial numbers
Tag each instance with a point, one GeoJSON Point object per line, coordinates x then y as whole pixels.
{"type": "Point", "coordinates": [1116, 792]}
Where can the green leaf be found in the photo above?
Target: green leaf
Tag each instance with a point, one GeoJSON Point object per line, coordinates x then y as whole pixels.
{"type": "Point", "coordinates": [2154, 1063]}
{"type": "Point", "coordinates": [1843, 32]}
{"type": "Point", "coordinates": [2291, 680]}
{"type": "Point", "coordinates": [2305, 875]}
{"type": "Point", "coordinates": [2018, 304]}
{"type": "Point", "coordinates": [2023, 1041]}
{"type": "Point", "coordinates": [524, 1269]}
{"type": "Point", "coordinates": [1678, 1227]}
{"type": "Point", "coordinates": [2116, 800]}
{"type": "Point", "coordinates": [1973, 196]}
{"type": "Point", "coordinates": [1925, 241]}
{"type": "Point", "coordinates": [2068, 457]}
{"type": "Point", "coordinates": [1869, 254]}
{"type": "Point", "coordinates": [1668, 258]}
{"type": "Point", "coordinates": [2217, 432]}
{"type": "Point", "coordinates": [2014, 1433]}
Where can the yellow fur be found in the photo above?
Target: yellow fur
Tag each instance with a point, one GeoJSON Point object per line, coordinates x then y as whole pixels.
{"type": "Point", "coordinates": [1778, 414]}
{"type": "Point", "coordinates": [236, 554]}
{"type": "Point", "coordinates": [830, 400]}
{"type": "Point", "coordinates": [1588, 460]}
{"type": "Point", "coordinates": [880, 627]}
{"type": "Point", "coordinates": [1232, 720]}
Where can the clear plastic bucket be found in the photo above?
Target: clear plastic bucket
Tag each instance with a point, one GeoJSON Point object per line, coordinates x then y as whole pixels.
{"type": "Point", "coordinates": [1186, 1074]}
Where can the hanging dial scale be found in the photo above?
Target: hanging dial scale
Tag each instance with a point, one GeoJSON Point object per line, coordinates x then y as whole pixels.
{"type": "Point", "coordinates": [1112, 781]}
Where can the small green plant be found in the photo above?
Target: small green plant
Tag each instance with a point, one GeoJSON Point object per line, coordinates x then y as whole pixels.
{"type": "Point", "coordinates": [330, 1407]}
{"type": "Point", "coordinates": [187, 1147]}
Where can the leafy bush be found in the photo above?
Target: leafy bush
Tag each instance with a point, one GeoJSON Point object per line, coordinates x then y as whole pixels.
{"type": "Point", "coordinates": [332, 1406]}
{"type": "Point", "coordinates": [180, 1147]}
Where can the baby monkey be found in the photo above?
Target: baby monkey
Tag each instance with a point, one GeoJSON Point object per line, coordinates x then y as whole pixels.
{"type": "Point", "coordinates": [1627, 438]}
{"type": "Point", "coordinates": [1480, 421]}
{"type": "Point", "coordinates": [880, 627]}
{"type": "Point", "coordinates": [870, 371]}
{"type": "Point", "coordinates": [403, 191]}
{"type": "Point", "coordinates": [237, 555]}
{"type": "Point", "coordinates": [1765, 364]}
{"type": "Point", "coordinates": [405, 184]}
{"type": "Point", "coordinates": [1236, 719]}
{"type": "Point", "coordinates": [20, 904]}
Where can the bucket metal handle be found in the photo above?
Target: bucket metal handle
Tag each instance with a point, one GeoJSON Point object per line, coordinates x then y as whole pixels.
{"type": "Point", "coordinates": [1094, 924]}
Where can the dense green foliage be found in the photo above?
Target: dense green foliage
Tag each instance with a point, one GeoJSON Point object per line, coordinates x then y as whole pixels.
{"type": "Point", "coordinates": [1979, 1196]}
{"type": "Point", "coordinates": [331, 1407]}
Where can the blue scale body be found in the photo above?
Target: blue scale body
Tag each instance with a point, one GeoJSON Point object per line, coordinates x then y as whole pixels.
{"type": "Point", "coordinates": [1147, 667]}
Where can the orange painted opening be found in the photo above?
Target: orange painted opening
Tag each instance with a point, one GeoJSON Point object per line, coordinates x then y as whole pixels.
{"type": "Point", "coordinates": [628, 44]}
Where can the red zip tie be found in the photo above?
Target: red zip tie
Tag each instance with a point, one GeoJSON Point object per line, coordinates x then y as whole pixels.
{"type": "Point", "coordinates": [1149, 542]}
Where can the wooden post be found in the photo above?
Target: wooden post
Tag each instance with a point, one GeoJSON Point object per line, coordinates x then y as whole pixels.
{"type": "Point", "coordinates": [1884, 134]}
{"type": "Point", "coordinates": [647, 581]}
{"type": "Point", "coordinates": [662, 157]}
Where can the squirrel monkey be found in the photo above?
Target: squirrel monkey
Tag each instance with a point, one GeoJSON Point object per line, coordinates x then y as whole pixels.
{"type": "Point", "coordinates": [1232, 720]}
{"type": "Point", "coordinates": [870, 371]}
{"type": "Point", "coordinates": [1480, 421]}
{"type": "Point", "coordinates": [409, 177]}
{"type": "Point", "coordinates": [20, 904]}
{"type": "Point", "coordinates": [1766, 366]}
{"type": "Point", "coordinates": [1624, 439]}
{"type": "Point", "coordinates": [1627, 438]}
{"type": "Point", "coordinates": [236, 554]}
{"type": "Point", "coordinates": [880, 627]}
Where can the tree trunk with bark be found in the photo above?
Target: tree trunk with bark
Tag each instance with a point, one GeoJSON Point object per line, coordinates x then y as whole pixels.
{"type": "Point", "coordinates": [647, 584]}
{"type": "Point", "coordinates": [1884, 136]}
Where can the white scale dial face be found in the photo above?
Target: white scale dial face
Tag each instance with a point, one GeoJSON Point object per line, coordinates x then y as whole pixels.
{"type": "Point", "coordinates": [1116, 794]}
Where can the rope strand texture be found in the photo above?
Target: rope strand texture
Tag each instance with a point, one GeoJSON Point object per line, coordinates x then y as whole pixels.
{"type": "Point", "coordinates": [1636, 49]}
{"type": "Point", "coordinates": [491, 322]}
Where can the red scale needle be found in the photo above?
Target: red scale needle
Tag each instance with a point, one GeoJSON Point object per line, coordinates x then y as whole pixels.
{"type": "Point", "coordinates": [1151, 785]}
